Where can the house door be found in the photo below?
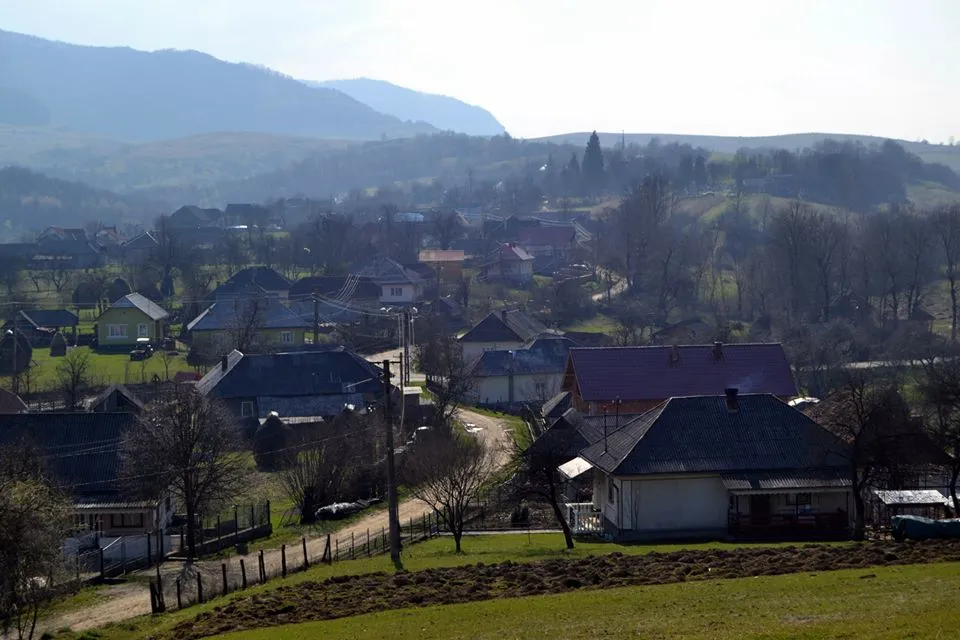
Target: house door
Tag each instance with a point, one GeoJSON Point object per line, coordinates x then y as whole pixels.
{"type": "Point", "coordinates": [760, 506]}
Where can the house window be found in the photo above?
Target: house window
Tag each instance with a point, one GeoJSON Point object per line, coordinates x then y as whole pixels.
{"type": "Point", "coordinates": [143, 331]}
{"type": "Point", "coordinates": [396, 292]}
{"type": "Point", "coordinates": [286, 337]}
{"type": "Point", "coordinates": [116, 331]}
{"type": "Point", "coordinates": [540, 389]}
{"type": "Point", "coordinates": [126, 520]}
{"type": "Point", "coordinates": [799, 499]}
{"type": "Point", "coordinates": [246, 409]}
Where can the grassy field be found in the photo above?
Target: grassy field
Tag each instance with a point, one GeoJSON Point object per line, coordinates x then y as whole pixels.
{"type": "Point", "coordinates": [889, 602]}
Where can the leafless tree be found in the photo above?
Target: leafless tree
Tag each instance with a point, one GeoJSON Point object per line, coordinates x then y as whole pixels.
{"type": "Point", "coordinates": [167, 359]}
{"type": "Point", "coordinates": [187, 445]}
{"type": "Point", "coordinates": [446, 227]}
{"type": "Point", "coordinates": [539, 478]}
{"type": "Point", "coordinates": [57, 275]}
{"type": "Point", "coordinates": [447, 472]}
{"type": "Point", "coordinates": [34, 520]}
{"type": "Point", "coordinates": [946, 225]}
{"type": "Point", "coordinates": [10, 269]}
{"type": "Point", "coordinates": [448, 375]}
{"type": "Point", "coordinates": [872, 423]}
{"type": "Point", "coordinates": [247, 314]}
{"type": "Point", "coordinates": [940, 386]}
{"type": "Point", "coordinates": [74, 376]}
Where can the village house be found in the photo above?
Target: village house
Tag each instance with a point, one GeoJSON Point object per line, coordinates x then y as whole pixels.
{"type": "Point", "coordinates": [66, 248]}
{"type": "Point", "coordinates": [139, 248]}
{"type": "Point", "coordinates": [40, 325]}
{"type": "Point", "coordinates": [636, 379]}
{"type": "Point", "coordinates": [130, 318]}
{"type": "Point", "coordinates": [247, 316]}
{"type": "Point", "coordinates": [399, 285]}
{"type": "Point", "coordinates": [508, 263]}
{"type": "Point", "coordinates": [318, 382]}
{"type": "Point", "coordinates": [718, 466]}
{"type": "Point", "coordinates": [264, 278]}
{"type": "Point", "coordinates": [501, 330]}
{"type": "Point", "coordinates": [447, 264]}
{"type": "Point", "coordinates": [531, 374]}
{"type": "Point", "coordinates": [556, 243]}
{"type": "Point", "coordinates": [72, 445]}
{"type": "Point", "coordinates": [11, 402]}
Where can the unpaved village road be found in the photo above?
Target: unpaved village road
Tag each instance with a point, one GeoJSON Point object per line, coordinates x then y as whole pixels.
{"type": "Point", "coordinates": [131, 599]}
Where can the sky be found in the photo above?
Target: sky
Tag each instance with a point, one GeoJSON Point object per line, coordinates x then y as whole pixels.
{"type": "Point", "coordinates": [740, 67]}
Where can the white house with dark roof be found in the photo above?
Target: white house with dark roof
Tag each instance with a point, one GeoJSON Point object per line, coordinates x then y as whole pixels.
{"type": "Point", "coordinates": [743, 466]}
{"type": "Point", "coordinates": [531, 374]}
{"type": "Point", "coordinates": [502, 330]}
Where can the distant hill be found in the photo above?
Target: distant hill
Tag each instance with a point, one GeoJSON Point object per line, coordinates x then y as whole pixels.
{"type": "Point", "coordinates": [443, 112]}
{"type": "Point", "coordinates": [30, 201]}
{"type": "Point", "coordinates": [201, 160]}
{"type": "Point", "coordinates": [943, 154]}
{"type": "Point", "coordinates": [135, 95]}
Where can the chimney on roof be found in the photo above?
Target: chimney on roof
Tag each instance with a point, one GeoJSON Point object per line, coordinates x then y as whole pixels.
{"type": "Point", "coordinates": [718, 350]}
{"type": "Point", "coordinates": [223, 363]}
{"type": "Point", "coordinates": [674, 355]}
{"type": "Point", "coordinates": [503, 314]}
{"type": "Point", "coordinates": [733, 401]}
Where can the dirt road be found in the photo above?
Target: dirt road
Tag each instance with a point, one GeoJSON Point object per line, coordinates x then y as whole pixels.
{"type": "Point", "coordinates": [619, 286]}
{"type": "Point", "coordinates": [131, 599]}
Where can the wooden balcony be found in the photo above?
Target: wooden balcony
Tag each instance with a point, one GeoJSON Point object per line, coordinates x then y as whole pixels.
{"type": "Point", "coordinates": [789, 526]}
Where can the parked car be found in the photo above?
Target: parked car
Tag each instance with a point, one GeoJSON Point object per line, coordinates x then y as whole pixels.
{"type": "Point", "coordinates": [143, 349]}
{"type": "Point", "coordinates": [340, 510]}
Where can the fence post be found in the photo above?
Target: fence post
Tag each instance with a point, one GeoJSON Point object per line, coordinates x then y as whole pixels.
{"type": "Point", "coordinates": [149, 552]}
{"type": "Point", "coordinates": [123, 555]}
{"type": "Point", "coordinates": [78, 569]}
{"type": "Point", "coordinates": [283, 559]}
{"type": "Point", "coordinates": [218, 527]}
{"type": "Point", "coordinates": [328, 552]}
{"type": "Point", "coordinates": [236, 521]}
{"type": "Point", "coordinates": [243, 574]}
{"type": "Point", "coordinates": [223, 572]}
{"type": "Point", "coordinates": [252, 516]}
{"type": "Point", "coordinates": [411, 529]}
{"type": "Point", "coordinates": [159, 545]}
{"type": "Point", "coordinates": [153, 598]}
{"type": "Point", "coordinates": [368, 542]}
{"type": "Point", "coordinates": [352, 545]}
{"type": "Point", "coordinates": [423, 522]}
{"type": "Point", "coordinates": [338, 548]}
{"type": "Point", "coordinates": [102, 573]}
{"type": "Point", "coordinates": [306, 559]}
{"type": "Point", "coordinates": [268, 511]}
{"type": "Point", "coordinates": [161, 601]}
{"type": "Point", "coordinates": [179, 599]}
{"type": "Point", "coordinates": [199, 588]}
{"type": "Point", "coordinates": [263, 569]}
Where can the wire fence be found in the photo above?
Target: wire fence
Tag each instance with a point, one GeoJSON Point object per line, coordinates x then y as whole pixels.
{"type": "Point", "coordinates": [200, 582]}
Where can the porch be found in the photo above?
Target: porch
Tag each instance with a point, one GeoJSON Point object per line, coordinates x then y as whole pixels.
{"type": "Point", "coordinates": [583, 518]}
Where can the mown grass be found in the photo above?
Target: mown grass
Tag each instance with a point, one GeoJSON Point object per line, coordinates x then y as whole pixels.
{"type": "Point", "coordinates": [105, 368]}
{"type": "Point", "coordinates": [915, 601]}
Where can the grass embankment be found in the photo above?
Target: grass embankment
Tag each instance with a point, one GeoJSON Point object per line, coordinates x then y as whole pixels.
{"type": "Point", "coordinates": [915, 601]}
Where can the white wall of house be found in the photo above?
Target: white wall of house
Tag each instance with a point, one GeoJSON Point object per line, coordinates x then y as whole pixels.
{"type": "Point", "coordinates": [526, 388]}
{"type": "Point", "coordinates": [400, 293]}
{"type": "Point", "coordinates": [664, 504]}
{"type": "Point", "coordinates": [473, 350]}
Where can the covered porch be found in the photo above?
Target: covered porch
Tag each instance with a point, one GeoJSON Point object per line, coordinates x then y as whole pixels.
{"type": "Point", "coordinates": [788, 506]}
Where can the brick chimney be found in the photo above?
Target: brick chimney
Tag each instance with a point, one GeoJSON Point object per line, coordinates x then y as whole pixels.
{"type": "Point", "coordinates": [224, 360]}
{"type": "Point", "coordinates": [718, 350]}
{"type": "Point", "coordinates": [733, 399]}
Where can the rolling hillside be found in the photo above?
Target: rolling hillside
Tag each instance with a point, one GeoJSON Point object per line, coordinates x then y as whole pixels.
{"type": "Point", "coordinates": [443, 112]}
{"type": "Point", "coordinates": [135, 95]}
{"type": "Point", "coordinates": [943, 154]}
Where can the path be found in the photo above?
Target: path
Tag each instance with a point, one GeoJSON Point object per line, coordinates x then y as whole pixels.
{"type": "Point", "coordinates": [619, 286]}
{"type": "Point", "coordinates": [131, 599]}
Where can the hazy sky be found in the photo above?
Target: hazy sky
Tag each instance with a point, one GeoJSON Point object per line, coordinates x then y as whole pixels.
{"type": "Point", "coordinates": [883, 67]}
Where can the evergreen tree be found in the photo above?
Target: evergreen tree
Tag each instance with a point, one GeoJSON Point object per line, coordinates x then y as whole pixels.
{"type": "Point", "coordinates": [593, 165]}
{"type": "Point", "coordinates": [685, 172]}
{"type": "Point", "coordinates": [570, 176]}
{"type": "Point", "coordinates": [700, 171]}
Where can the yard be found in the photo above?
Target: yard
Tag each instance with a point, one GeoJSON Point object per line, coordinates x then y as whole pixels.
{"type": "Point", "coordinates": [889, 602]}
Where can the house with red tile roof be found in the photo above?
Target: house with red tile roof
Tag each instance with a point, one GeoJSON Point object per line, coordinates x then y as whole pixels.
{"type": "Point", "coordinates": [636, 379]}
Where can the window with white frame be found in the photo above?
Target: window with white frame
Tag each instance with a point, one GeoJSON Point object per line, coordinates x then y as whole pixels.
{"type": "Point", "coordinates": [116, 331]}
{"type": "Point", "coordinates": [246, 408]}
{"type": "Point", "coordinates": [286, 337]}
{"type": "Point", "coordinates": [143, 330]}
{"type": "Point", "coordinates": [396, 292]}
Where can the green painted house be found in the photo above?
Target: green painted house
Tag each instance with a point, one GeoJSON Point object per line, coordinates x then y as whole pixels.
{"type": "Point", "coordinates": [131, 317]}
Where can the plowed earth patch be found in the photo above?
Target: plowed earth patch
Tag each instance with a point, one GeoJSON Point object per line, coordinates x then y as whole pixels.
{"type": "Point", "coordinates": [343, 596]}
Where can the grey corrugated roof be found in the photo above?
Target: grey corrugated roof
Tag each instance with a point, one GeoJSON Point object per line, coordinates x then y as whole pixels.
{"type": "Point", "coordinates": [546, 355]}
{"type": "Point", "coordinates": [916, 497]}
{"type": "Point", "coordinates": [228, 313]}
{"type": "Point", "coordinates": [81, 450]}
{"type": "Point", "coordinates": [51, 317]}
{"type": "Point", "coordinates": [786, 480]}
{"type": "Point", "coordinates": [506, 326]}
{"type": "Point", "coordinates": [557, 405]}
{"type": "Point", "coordinates": [264, 277]}
{"type": "Point", "coordinates": [700, 435]}
{"type": "Point", "coordinates": [313, 372]}
{"type": "Point", "coordinates": [305, 406]}
{"type": "Point", "coordinates": [660, 372]}
{"type": "Point", "coordinates": [138, 301]}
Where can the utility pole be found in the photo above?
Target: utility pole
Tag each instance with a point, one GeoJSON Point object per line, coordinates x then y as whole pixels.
{"type": "Point", "coordinates": [316, 320]}
{"type": "Point", "coordinates": [405, 367]}
{"type": "Point", "coordinates": [16, 344]}
{"type": "Point", "coordinates": [392, 510]}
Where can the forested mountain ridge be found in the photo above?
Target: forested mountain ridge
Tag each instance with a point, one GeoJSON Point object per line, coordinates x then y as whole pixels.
{"type": "Point", "coordinates": [443, 112]}
{"type": "Point", "coordinates": [31, 201]}
{"type": "Point", "coordinates": [134, 95]}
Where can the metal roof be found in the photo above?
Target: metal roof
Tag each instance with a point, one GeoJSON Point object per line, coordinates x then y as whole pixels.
{"type": "Point", "coordinates": [546, 355]}
{"type": "Point", "coordinates": [914, 497]}
{"type": "Point", "coordinates": [506, 326]}
{"type": "Point", "coordinates": [701, 434]}
{"type": "Point", "coordinates": [141, 302]}
{"type": "Point", "coordinates": [661, 372]}
{"type": "Point", "coordinates": [801, 480]}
